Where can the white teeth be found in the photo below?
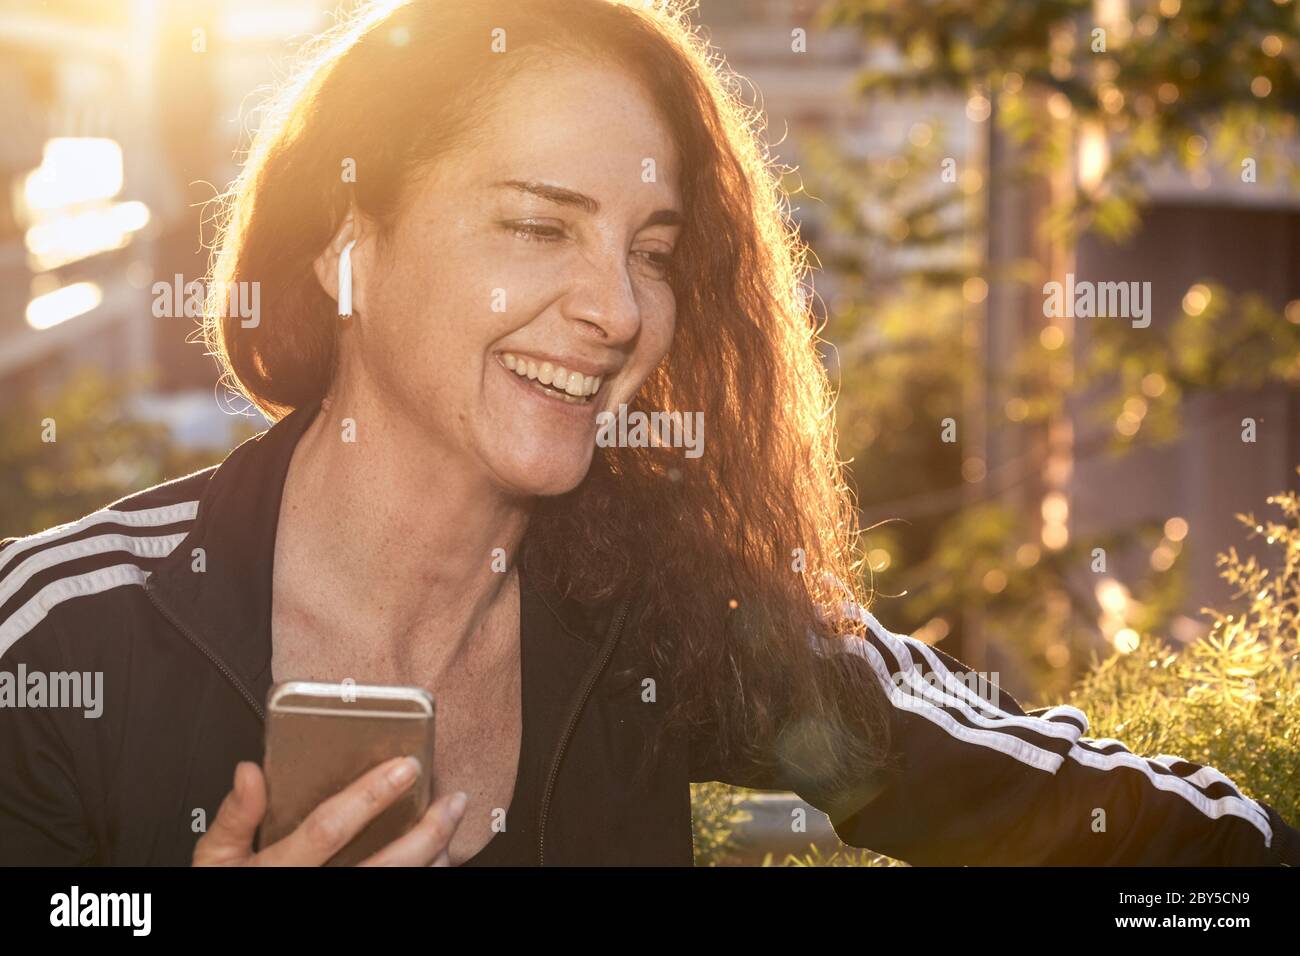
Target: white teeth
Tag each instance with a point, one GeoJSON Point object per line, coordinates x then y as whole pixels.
{"type": "Point", "coordinates": [574, 384]}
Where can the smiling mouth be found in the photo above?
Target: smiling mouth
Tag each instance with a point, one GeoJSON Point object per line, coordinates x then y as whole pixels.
{"type": "Point", "coordinates": [554, 381]}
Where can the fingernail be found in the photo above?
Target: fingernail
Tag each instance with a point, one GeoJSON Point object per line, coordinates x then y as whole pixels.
{"type": "Point", "coordinates": [404, 772]}
{"type": "Point", "coordinates": [457, 806]}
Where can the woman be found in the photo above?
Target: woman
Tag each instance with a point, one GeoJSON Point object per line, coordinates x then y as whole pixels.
{"type": "Point", "coordinates": [477, 226]}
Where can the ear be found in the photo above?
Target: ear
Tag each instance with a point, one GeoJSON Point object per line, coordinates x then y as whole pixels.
{"type": "Point", "coordinates": [326, 265]}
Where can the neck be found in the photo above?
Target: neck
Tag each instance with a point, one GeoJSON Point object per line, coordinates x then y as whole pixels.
{"type": "Point", "coordinates": [391, 540]}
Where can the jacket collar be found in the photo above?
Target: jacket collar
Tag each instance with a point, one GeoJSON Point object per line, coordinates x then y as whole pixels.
{"type": "Point", "coordinates": [223, 604]}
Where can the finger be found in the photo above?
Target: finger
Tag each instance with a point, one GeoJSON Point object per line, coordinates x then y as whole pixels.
{"type": "Point", "coordinates": [429, 839]}
{"type": "Point", "coordinates": [331, 825]}
{"type": "Point", "coordinates": [428, 843]}
{"type": "Point", "coordinates": [230, 838]}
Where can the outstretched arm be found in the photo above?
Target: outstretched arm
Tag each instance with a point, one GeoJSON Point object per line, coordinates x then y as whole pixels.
{"type": "Point", "coordinates": [982, 781]}
{"type": "Point", "coordinates": [978, 781]}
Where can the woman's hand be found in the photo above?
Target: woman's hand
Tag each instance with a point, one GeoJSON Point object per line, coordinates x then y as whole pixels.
{"type": "Point", "coordinates": [329, 828]}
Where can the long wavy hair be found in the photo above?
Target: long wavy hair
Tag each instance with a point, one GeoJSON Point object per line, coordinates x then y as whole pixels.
{"type": "Point", "coordinates": [742, 554]}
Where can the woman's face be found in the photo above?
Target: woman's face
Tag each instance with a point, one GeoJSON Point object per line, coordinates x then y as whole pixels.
{"type": "Point", "coordinates": [541, 247]}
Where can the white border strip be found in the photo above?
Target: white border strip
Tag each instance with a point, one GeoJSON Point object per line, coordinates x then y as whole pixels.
{"type": "Point", "coordinates": [146, 518]}
{"type": "Point", "coordinates": [158, 546]}
{"type": "Point", "coordinates": [43, 601]}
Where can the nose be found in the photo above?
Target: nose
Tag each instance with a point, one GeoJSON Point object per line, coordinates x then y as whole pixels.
{"type": "Point", "coordinates": [604, 302]}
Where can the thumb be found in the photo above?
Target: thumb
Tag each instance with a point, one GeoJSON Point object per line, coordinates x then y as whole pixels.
{"type": "Point", "coordinates": [230, 838]}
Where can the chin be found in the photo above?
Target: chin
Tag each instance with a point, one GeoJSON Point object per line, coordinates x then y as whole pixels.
{"type": "Point", "coordinates": [543, 476]}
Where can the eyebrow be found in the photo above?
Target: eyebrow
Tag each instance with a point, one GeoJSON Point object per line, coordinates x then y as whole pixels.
{"type": "Point", "coordinates": [568, 197]}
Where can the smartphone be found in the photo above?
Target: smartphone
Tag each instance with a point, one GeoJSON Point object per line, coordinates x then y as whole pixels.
{"type": "Point", "coordinates": [321, 737]}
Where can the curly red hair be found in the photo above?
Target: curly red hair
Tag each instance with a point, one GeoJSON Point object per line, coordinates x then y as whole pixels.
{"type": "Point", "coordinates": [734, 549]}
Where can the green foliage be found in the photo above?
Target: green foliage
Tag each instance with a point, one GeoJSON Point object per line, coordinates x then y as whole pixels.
{"type": "Point", "coordinates": [715, 813]}
{"type": "Point", "coordinates": [1198, 81]}
{"type": "Point", "coordinates": [1216, 341]}
{"type": "Point", "coordinates": [99, 453]}
{"type": "Point", "coordinates": [1231, 700]}
{"type": "Point", "coordinates": [844, 856]}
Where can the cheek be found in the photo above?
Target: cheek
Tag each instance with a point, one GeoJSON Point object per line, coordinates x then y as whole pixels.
{"type": "Point", "coordinates": [656, 337]}
{"type": "Point", "coordinates": [433, 316]}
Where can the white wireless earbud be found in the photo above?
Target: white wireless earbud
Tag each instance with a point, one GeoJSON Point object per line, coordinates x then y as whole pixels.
{"type": "Point", "coordinates": [345, 280]}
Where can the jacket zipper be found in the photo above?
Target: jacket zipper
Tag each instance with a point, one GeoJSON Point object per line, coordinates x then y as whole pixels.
{"type": "Point", "coordinates": [594, 675]}
{"type": "Point", "coordinates": [189, 636]}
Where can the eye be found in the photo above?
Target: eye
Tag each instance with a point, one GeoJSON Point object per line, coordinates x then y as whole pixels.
{"type": "Point", "coordinates": [660, 262]}
{"type": "Point", "coordinates": [530, 230]}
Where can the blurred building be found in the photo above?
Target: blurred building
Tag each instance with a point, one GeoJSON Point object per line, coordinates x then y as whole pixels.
{"type": "Point", "coordinates": [1248, 241]}
{"type": "Point", "coordinates": [79, 214]}
{"type": "Point", "coordinates": [805, 81]}
{"type": "Point", "coordinates": [124, 118]}
{"type": "Point", "coordinates": [1206, 227]}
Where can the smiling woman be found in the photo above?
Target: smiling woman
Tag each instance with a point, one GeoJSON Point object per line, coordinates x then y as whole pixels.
{"type": "Point", "coordinates": [543, 213]}
{"type": "Point", "coordinates": [567, 214]}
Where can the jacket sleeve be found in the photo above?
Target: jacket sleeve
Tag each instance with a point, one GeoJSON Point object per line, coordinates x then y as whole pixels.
{"type": "Point", "coordinates": [975, 780]}
{"type": "Point", "coordinates": [42, 821]}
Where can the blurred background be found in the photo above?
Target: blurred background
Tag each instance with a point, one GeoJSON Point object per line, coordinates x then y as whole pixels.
{"type": "Point", "coordinates": [1042, 492]}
